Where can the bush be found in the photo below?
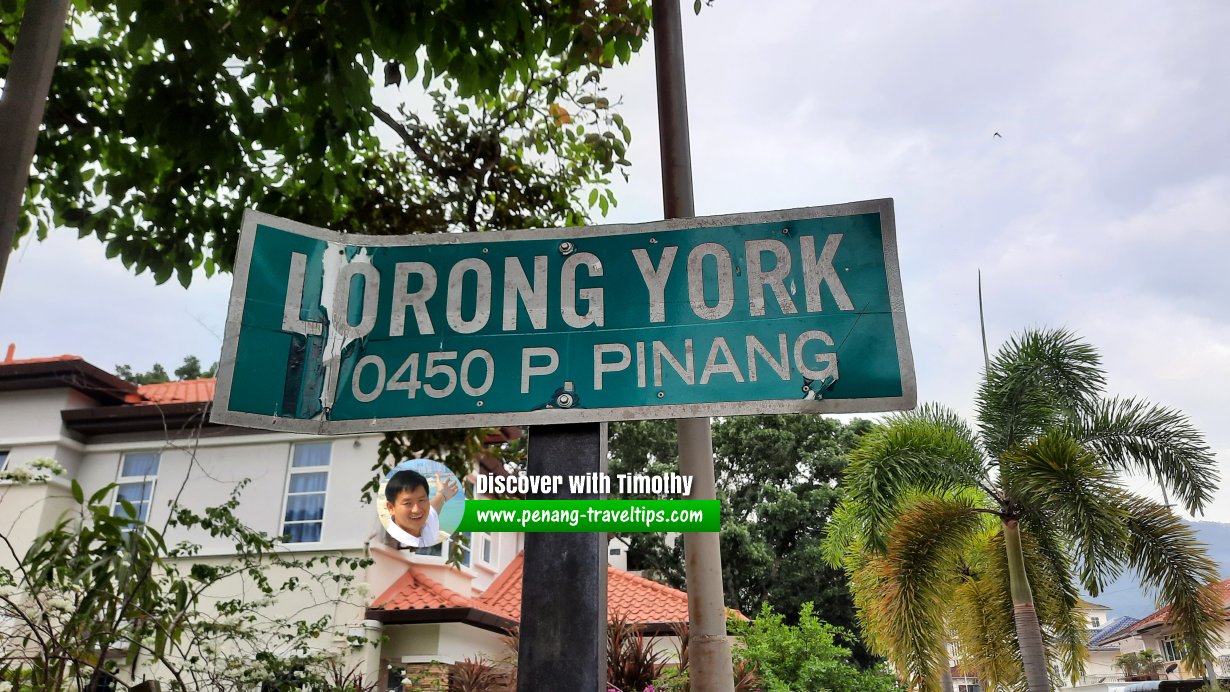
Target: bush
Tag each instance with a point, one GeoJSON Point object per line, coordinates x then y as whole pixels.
{"type": "Point", "coordinates": [804, 656]}
{"type": "Point", "coordinates": [632, 663]}
{"type": "Point", "coordinates": [1136, 663]}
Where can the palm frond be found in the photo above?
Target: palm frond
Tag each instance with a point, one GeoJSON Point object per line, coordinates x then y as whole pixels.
{"type": "Point", "coordinates": [1164, 551]}
{"type": "Point", "coordinates": [981, 620]}
{"type": "Point", "coordinates": [925, 450]}
{"type": "Point", "coordinates": [842, 532]}
{"type": "Point", "coordinates": [903, 596]}
{"type": "Point", "coordinates": [1133, 435]}
{"type": "Point", "coordinates": [941, 416]}
{"type": "Point", "coordinates": [1058, 478]}
{"type": "Point", "coordinates": [1035, 381]}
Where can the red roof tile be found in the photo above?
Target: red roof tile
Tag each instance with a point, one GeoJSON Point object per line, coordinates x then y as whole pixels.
{"type": "Point", "coordinates": [503, 595]}
{"type": "Point", "coordinates": [1158, 617]}
{"type": "Point", "coordinates": [643, 600]}
{"type": "Point", "coordinates": [640, 600]}
{"type": "Point", "coordinates": [416, 591]}
{"type": "Point", "coordinates": [187, 391]}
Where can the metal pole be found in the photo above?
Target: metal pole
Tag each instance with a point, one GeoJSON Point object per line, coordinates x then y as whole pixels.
{"type": "Point", "coordinates": [21, 109]}
{"type": "Point", "coordinates": [709, 662]}
{"type": "Point", "coordinates": [563, 585]}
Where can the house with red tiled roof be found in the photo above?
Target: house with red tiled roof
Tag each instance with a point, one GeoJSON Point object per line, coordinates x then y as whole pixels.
{"type": "Point", "coordinates": [417, 606]}
{"type": "Point", "coordinates": [151, 440]}
{"type": "Point", "coordinates": [1154, 632]}
{"type": "Point", "coordinates": [417, 598]}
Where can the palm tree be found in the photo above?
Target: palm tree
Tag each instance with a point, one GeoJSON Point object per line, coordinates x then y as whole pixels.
{"type": "Point", "coordinates": [986, 538]}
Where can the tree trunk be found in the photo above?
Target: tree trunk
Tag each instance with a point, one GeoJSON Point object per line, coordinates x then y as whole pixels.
{"type": "Point", "coordinates": [33, 60]}
{"type": "Point", "coordinates": [1028, 630]}
{"type": "Point", "coordinates": [946, 681]}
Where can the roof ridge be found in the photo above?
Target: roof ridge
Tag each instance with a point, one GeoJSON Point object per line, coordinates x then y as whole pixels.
{"type": "Point", "coordinates": [656, 585]}
{"type": "Point", "coordinates": [413, 578]}
{"type": "Point", "coordinates": [1221, 587]}
{"type": "Point", "coordinates": [641, 599]}
{"type": "Point", "coordinates": [199, 390]}
{"type": "Point", "coordinates": [44, 359]}
{"type": "Point", "coordinates": [506, 581]}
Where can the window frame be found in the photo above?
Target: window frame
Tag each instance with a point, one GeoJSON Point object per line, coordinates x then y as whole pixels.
{"type": "Point", "coordinates": [121, 480]}
{"type": "Point", "coordinates": [291, 472]}
{"type": "Point", "coordinates": [1171, 645]}
{"type": "Point", "coordinates": [4, 458]}
{"type": "Point", "coordinates": [438, 553]}
{"type": "Point", "coordinates": [488, 550]}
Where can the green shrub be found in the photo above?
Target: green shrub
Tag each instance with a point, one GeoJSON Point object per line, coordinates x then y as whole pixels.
{"type": "Point", "coordinates": [806, 656]}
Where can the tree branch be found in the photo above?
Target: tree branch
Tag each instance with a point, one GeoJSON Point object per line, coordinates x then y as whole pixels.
{"type": "Point", "coordinates": [409, 140]}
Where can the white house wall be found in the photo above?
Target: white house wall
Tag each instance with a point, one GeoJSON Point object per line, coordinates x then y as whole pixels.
{"type": "Point", "coordinates": [458, 641]}
{"type": "Point", "coordinates": [1101, 664]}
{"type": "Point", "coordinates": [35, 414]}
{"type": "Point", "coordinates": [215, 467]}
{"type": "Point", "coordinates": [418, 643]}
{"type": "Point", "coordinates": [27, 511]}
{"type": "Point", "coordinates": [30, 426]}
{"type": "Point", "coordinates": [504, 548]}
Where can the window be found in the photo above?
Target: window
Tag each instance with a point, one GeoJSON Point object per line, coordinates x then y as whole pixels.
{"type": "Point", "coordinates": [306, 485]}
{"type": "Point", "coordinates": [106, 683]}
{"type": "Point", "coordinates": [1095, 622]}
{"type": "Point", "coordinates": [4, 459]}
{"type": "Point", "coordinates": [442, 548]}
{"type": "Point", "coordinates": [135, 484]}
{"type": "Point", "coordinates": [486, 547]}
{"type": "Point", "coordinates": [1172, 649]}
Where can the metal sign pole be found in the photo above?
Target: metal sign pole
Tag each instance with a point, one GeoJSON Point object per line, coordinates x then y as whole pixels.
{"type": "Point", "coordinates": [709, 649]}
{"type": "Point", "coordinates": [563, 585]}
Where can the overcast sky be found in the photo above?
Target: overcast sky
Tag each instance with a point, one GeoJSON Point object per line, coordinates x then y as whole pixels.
{"type": "Point", "coordinates": [1102, 207]}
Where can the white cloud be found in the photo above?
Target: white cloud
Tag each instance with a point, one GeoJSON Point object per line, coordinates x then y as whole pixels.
{"type": "Point", "coordinates": [63, 296]}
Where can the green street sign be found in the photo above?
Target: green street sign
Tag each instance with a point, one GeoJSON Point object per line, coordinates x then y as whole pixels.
{"type": "Point", "coordinates": [796, 311]}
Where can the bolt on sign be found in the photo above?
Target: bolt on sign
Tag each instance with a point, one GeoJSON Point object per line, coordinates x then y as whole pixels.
{"type": "Point", "coordinates": [796, 311]}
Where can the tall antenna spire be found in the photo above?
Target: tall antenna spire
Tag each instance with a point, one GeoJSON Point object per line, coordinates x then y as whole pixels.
{"type": "Point", "coordinates": [982, 322]}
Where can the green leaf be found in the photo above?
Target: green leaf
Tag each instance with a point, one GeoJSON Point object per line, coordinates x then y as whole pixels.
{"type": "Point", "coordinates": [101, 493]}
{"type": "Point", "coordinates": [184, 111]}
{"type": "Point", "coordinates": [593, 197]}
{"type": "Point", "coordinates": [78, 493]}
